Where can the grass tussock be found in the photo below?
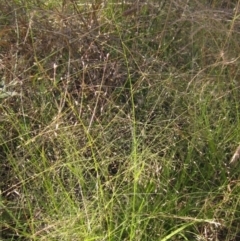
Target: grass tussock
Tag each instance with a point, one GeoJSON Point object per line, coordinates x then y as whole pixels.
{"type": "Point", "coordinates": [119, 120]}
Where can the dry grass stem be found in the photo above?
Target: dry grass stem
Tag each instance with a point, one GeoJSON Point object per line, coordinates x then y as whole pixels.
{"type": "Point", "coordinates": [235, 156]}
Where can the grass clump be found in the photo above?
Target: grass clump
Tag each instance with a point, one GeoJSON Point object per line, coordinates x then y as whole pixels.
{"type": "Point", "coordinates": [118, 120]}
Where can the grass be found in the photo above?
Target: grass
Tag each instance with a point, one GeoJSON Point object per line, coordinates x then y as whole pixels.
{"type": "Point", "coordinates": [118, 121]}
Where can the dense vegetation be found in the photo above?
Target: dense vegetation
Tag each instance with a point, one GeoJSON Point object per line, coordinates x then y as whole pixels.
{"type": "Point", "coordinates": [118, 120]}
